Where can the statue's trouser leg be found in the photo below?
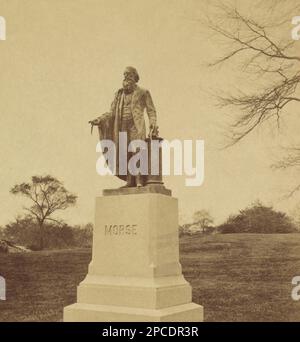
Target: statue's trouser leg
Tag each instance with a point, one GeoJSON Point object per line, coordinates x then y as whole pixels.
{"type": "Point", "coordinates": [129, 128]}
{"type": "Point", "coordinates": [125, 128]}
{"type": "Point", "coordinates": [133, 135]}
{"type": "Point", "coordinates": [138, 179]}
{"type": "Point", "coordinates": [130, 178]}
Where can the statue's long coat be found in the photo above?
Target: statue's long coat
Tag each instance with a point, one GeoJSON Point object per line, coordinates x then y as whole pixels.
{"type": "Point", "coordinates": [110, 123]}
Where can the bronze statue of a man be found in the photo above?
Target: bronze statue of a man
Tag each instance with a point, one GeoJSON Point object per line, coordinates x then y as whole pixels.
{"type": "Point", "coordinates": [127, 115]}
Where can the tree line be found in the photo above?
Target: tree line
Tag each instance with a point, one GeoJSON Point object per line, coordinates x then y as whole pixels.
{"type": "Point", "coordinates": [256, 218]}
{"type": "Point", "coordinates": [38, 228]}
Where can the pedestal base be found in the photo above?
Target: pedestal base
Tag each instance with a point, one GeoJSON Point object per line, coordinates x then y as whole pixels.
{"type": "Point", "coordinates": [135, 274]}
{"type": "Point", "coordinates": [80, 312]}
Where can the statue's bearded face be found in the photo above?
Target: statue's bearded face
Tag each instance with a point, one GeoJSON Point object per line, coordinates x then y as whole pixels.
{"type": "Point", "coordinates": [129, 81]}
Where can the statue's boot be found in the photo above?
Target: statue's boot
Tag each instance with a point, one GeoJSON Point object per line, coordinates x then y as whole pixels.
{"type": "Point", "coordinates": [138, 180]}
{"type": "Point", "coordinates": [129, 181]}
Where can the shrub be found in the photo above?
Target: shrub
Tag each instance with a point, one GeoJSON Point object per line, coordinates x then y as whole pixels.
{"type": "Point", "coordinates": [24, 231]}
{"type": "Point", "coordinates": [258, 219]}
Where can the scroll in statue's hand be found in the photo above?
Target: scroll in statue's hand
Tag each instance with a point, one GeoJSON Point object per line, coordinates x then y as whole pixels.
{"type": "Point", "coordinates": [94, 122]}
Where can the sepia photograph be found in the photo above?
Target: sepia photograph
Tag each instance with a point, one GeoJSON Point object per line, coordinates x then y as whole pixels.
{"type": "Point", "coordinates": [150, 163]}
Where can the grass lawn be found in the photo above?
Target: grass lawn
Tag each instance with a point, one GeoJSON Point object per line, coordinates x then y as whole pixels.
{"type": "Point", "coordinates": [237, 277]}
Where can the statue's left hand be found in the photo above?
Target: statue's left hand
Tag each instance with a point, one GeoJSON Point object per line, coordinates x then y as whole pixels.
{"type": "Point", "coordinates": [153, 131]}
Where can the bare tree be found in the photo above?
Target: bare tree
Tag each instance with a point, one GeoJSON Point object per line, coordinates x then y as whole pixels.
{"type": "Point", "coordinates": [262, 50]}
{"type": "Point", "coordinates": [47, 195]}
{"type": "Point", "coordinates": [203, 219]}
{"type": "Point", "coordinates": [291, 159]}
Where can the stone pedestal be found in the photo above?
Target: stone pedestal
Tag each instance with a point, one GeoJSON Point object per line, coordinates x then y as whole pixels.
{"type": "Point", "coordinates": [135, 274]}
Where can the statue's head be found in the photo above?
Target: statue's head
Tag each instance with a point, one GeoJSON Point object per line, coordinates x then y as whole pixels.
{"type": "Point", "coordinates": [131, 77]}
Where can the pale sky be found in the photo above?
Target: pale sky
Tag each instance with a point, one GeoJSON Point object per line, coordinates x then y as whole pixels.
{"type": "Point", "coordinates": [60, 65]}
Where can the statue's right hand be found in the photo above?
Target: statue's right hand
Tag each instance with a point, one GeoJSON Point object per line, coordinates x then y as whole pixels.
{"type": "Point", "coordinates": [95, 122]}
